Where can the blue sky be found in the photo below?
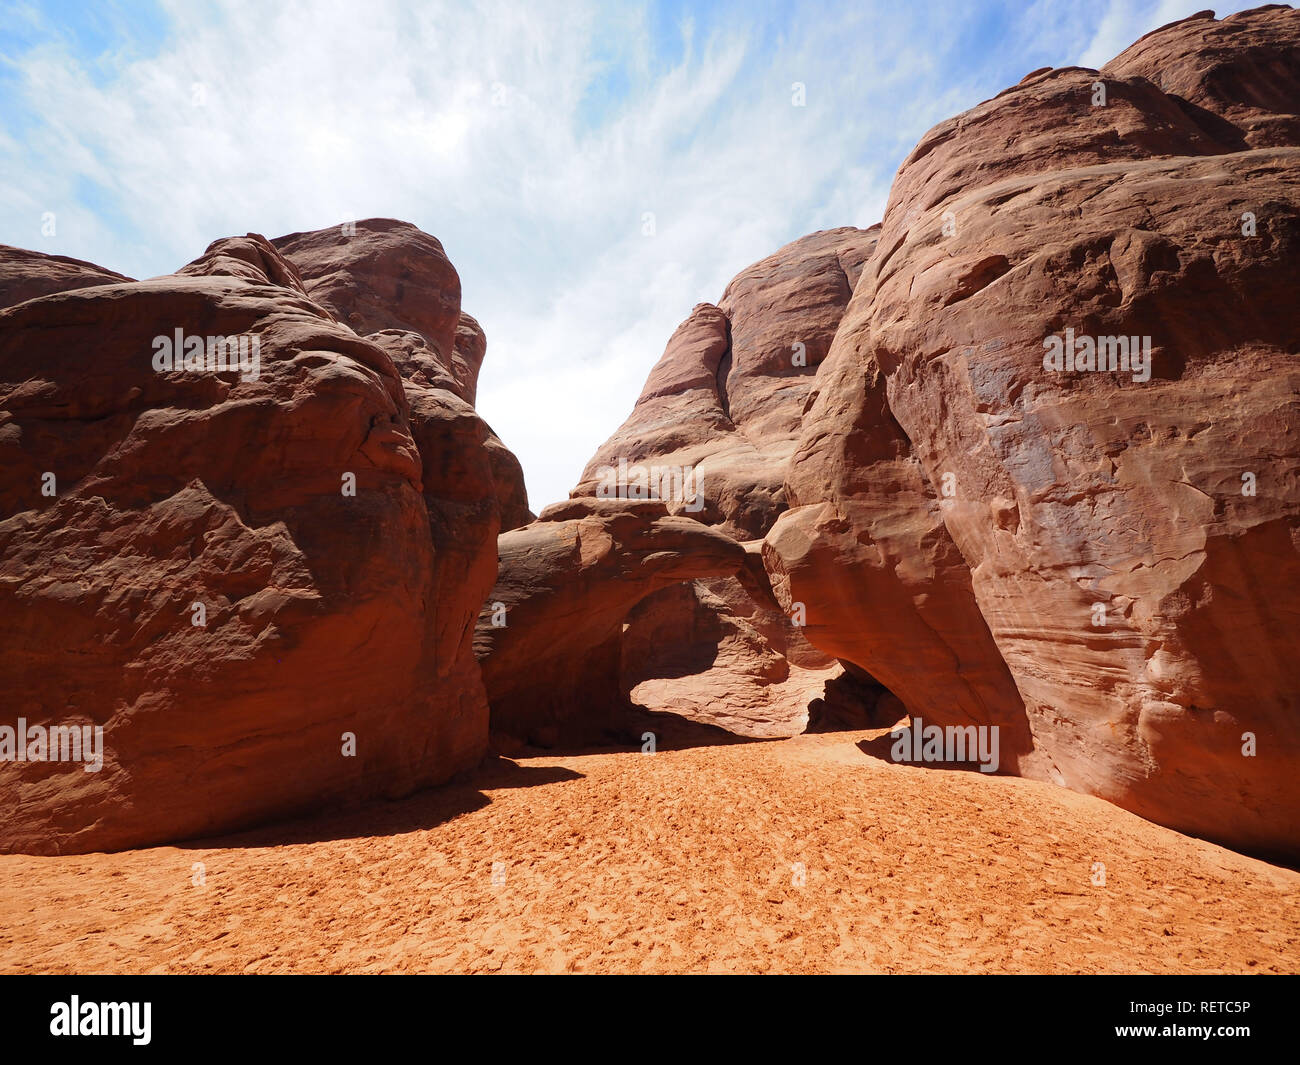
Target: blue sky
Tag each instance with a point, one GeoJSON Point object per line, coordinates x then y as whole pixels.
{"type": "Point", "coordinates": [532, 138]}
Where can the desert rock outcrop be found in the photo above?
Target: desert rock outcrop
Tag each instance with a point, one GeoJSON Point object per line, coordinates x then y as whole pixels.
{"type": "Point", "coordinates": [25, 275]}
{"type": "Point", "coordinates": [392, 282]}
{"type": "Point", "coordinates": [549, 636]}
{"type": "Point", "coordinates": [259, 582]}
{"type": "Point", "coordinates": [1112, 547]}
{"type": "Point", "coordinates": [721, 411]}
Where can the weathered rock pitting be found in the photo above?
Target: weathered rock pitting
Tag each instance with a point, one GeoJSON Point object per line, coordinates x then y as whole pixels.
{"type": "Point", "coordinates": [1128, 540]}
{"type": "Point", "coordinates": [260, 586]}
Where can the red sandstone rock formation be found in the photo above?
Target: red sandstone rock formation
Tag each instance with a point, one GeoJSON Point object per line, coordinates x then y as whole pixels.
{"type": "Point", "coordinates": [327, 616]}
{"type": "Point", "coordinates": [1114, 557]}
{"type": "Point", "coordinates": [727, 394]}
{"type": "Point", "coordinates": [1105, 563]}
{"type": "Point", "coordinates": [381, 274]}
{"type": "Point", "coordinates": [392, 282]}
{"type": "Point", "coordinates": [1242, 70]}
{"type": "Point", "coordinates": [24, 275]}
{"type": "Point", "coordinates": [726, 400]}
{"type": "Point", "coordinates": [549, 635]}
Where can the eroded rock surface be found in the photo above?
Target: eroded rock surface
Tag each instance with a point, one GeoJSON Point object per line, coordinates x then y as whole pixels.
{"type": "Point", "coordinates": [25, 275]}
{"type": "Point", "coordinates": [549, 637]}
{"type": "Point", "coordinates": [392, 282]}
{"type": "Point", "coordinates": [1128, 538]}
{"type": "Point", "coordinates": [725, 402]}
{"type": "Point", "coordinates": [260, 585]}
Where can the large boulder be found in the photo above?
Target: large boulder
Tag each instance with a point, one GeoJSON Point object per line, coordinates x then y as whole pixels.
{"type": "Point", "coordinates": [259, 583]}
{"type": "Point", "coordinates": [381, 274]}
{"type": "Point", "coordinates": [1112, 553]}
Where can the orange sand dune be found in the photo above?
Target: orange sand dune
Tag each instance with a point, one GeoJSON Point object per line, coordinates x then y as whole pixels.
{"type": "Point", "coordinates": [684, 861]}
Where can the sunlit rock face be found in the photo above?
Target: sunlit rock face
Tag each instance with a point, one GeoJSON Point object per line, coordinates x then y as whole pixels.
{"type": "Point", "coordinates": [250, 591]}
{"type": "Point", "coordinates": [1002, 532]}
{"type": "Point", "coordinates": [722, 410]}
{"type": "Point", "coordinates": [549, 636]}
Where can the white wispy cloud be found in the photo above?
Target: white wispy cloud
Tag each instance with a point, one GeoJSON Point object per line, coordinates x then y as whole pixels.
{"type": "Point", "coordinates": [531, 137]}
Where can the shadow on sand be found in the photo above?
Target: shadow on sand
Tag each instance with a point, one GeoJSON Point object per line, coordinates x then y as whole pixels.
{"type": "Point", "coordinates": [412, 813]}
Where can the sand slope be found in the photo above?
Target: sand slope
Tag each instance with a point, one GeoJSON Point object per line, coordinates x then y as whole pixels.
{"type": "Point", "coordinates": [683, 861]}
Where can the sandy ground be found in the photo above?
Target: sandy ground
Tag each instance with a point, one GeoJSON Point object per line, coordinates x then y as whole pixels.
{"type": "Point", "coordinates": [683, 861]}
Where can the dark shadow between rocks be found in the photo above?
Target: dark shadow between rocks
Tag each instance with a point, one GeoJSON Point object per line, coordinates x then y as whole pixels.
{"type": "Point", "coordinates": [882, 747]}
{"type": "Point", "coordinates": [853, 701]}
{"type": "Point", "coordinates": [628, 733]}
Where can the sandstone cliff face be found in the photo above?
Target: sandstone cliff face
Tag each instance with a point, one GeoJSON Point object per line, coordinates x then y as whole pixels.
{"type": "Point", "coordinates": [726, 396]}
{"type": "Point", "coordinates": [242, 577]}
{"type": "Point", "coordinates": [725, 401]}
{"type": "Point", "coordinates": [1239, 76]}
{"type": "Point", "coordinates": [1111, 555]}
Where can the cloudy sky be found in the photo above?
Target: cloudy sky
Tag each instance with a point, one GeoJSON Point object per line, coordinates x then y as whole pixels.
{"type": "Point", "coordinates": [537, 140]}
